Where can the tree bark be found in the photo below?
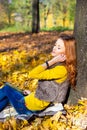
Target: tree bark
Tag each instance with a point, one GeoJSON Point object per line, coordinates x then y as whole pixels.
{"type": "Point", "coordinates": [35, 16]}
{"type": "Point", "coordinates": [80, 32]}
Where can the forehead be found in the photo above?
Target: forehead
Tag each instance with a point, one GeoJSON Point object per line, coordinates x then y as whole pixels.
{"type": "Point", "coordinates": [60, 42]}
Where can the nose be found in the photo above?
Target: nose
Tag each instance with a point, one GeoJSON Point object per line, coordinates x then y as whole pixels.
{"type": "Point", "coordinates": [54, 48]}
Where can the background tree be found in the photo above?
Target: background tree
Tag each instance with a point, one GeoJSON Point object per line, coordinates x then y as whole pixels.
{"type": "Point", "coordinates": [2, 16]}
{"type": "Point", "coordinates": [45, 7]}
{"type": "Point", "coordinates": [81, 38]}
{"type": "Point", "coordinates": [60, 9]}
{"type": "Point", "coordinates": [9, 9]}
{"type": "Point", "coordinates": [55, 11]}
{"type": "Point", "coordinates": [72, 9]}
{"type": "Point", "coordinates": [23, 13]}
{"type": "Point", "coordinates": [35, 16]}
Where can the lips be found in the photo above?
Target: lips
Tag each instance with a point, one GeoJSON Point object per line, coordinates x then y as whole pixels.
{"type": "Point", "coordinates": [53, 51]}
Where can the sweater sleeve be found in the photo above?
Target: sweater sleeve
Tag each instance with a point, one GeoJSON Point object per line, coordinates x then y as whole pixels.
{"type": "Point", "coordinates": [55, 73]}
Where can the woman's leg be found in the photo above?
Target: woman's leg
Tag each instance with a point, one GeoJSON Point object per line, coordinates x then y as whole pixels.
{"type": "Point", "coordinates": [15, 98]}
{"type": "Point", "coordinates": [3, 103]}
{"type": "Point", "coordinates": [3, 100]}
{"type": "Point", "coordinates": [2, 95]}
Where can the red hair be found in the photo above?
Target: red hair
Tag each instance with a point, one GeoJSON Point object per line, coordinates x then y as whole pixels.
{"type": "Point", "coordinates": [70, 51]}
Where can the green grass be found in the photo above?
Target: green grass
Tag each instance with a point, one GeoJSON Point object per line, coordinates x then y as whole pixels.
{"type": "Point", "coordinates": [15, 28]}
{"type": "Point", "coordinates": [22, 28]}
{"type": "Point", "coordinates": [59, 28]}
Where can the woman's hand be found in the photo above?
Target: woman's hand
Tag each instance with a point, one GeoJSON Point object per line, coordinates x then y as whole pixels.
{"type": "Point", "coordinates": [59, 58]}
{"type": "Point", "coordinates": [26, 92]}
{"type": "Point", "coordinates": [56, 59]}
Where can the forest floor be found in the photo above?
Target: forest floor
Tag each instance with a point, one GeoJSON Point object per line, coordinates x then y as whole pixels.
{"type": "Point", "coordinates": [19, 53]}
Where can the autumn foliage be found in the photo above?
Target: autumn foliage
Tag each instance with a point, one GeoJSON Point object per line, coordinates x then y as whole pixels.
{"type": "Point", "coordinates": [19, 53]}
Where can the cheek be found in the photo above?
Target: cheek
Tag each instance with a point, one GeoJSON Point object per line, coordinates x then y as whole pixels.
{"type": "Point", "coordinates": [60, 51]}
{"type": "Point", "coordinates": [57, 52]}
{"type": "Point", "coordinates": [64, 51]}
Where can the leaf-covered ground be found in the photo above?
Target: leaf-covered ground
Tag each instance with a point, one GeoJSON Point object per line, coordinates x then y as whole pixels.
{"type": "Point", "coordinates": [19, 53]}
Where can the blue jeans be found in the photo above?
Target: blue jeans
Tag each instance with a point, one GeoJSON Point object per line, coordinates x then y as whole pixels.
{"type": "Point", "coordinates": [10, 95]}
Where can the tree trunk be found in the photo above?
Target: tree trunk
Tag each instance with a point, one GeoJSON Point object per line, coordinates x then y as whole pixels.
{"type": "Point", "coordinates": [35, 16]}
{"type": "Point", "coordinates": [64, 21]}
{"type": "Point", "coordinates": [9, 18]}
{"type": "Point", "coordinates": [81, 38]}
{"type": "Point", "coordinates": [45, 17]}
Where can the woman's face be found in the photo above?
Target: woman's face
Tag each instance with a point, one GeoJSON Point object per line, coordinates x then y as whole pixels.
{"type": "Point", "coordinates": [59, 48]}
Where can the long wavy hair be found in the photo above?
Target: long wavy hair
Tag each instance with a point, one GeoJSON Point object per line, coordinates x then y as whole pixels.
{"type": "Point", "coordinates": [70, 51]}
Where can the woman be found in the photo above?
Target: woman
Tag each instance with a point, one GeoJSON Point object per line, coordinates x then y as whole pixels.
{"type": "Point", "coordinates": [54, 77]}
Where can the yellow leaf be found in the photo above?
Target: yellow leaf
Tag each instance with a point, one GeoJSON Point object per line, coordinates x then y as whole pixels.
{"type": "Point", "coordinates": [13, 123]}
{"type": "Point", "coordinates": [56, 116]}
{"type": "Point", "coordinates": [46, 124]}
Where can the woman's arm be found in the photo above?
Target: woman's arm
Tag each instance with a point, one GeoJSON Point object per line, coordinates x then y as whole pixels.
{"type": "Point", "coordinates": [59, 58]}
{"type": "Point", "coordinates": [41, 71]}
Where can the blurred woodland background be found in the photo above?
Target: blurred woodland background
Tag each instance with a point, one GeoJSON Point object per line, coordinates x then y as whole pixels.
{"type": "Point", "coordinates": [17, 15]}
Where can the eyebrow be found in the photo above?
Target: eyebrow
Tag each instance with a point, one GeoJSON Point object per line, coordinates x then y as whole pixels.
{"type": "Point", "coordinates": [58, 45]}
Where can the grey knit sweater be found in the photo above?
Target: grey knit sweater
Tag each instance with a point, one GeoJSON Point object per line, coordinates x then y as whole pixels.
{"type": "Point", "coordinates": [49, 90]}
